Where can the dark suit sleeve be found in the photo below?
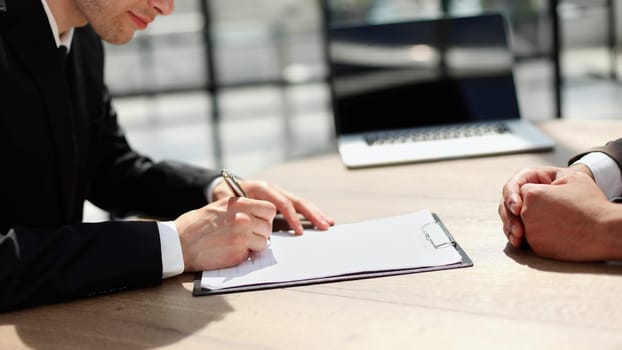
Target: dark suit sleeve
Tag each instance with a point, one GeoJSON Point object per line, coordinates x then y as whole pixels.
{"type": "Point", "coordinates": [126, 182]}
{"type": "Point", "coordinates": [45, 266]}
{"type": "Point", "coordinates": [613, 149]}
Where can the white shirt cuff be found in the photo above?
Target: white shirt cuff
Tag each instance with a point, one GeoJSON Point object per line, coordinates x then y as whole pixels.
{"type": "Point", "coordinates": [606, 172]}
{"type": "Point", "coordinates": [210, 188]}
{"type": "Point", "coordinates": [172, 256]}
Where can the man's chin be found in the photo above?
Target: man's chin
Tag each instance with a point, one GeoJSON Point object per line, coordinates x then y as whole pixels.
{"type": "Point", "coordinates": [118, 41]}
{"type": "Point", "coordinates": [117, 38]}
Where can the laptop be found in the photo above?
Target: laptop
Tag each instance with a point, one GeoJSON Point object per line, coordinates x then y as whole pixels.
{"type": "Point", "coordinates": [426, 90]}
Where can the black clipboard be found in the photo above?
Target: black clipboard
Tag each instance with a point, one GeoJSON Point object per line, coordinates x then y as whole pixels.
{"type": "Point", "coordinates": [465, 262]}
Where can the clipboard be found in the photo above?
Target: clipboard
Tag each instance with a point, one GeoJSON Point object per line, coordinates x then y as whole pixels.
{"type": "Point", "coordinates": [431, 230]}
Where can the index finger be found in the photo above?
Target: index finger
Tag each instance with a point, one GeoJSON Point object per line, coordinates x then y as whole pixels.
{"type": "Point", "coordinates": [260, 209]}
{"type": "Point", "coordinates": [512, 197]}
{"type": "Point", "coordinates": [312, 213]}
{"type": "Point", "coordinates": [290, 205]}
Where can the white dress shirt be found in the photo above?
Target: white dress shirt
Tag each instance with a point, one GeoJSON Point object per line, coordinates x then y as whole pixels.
{"type": "Point", "coordinates": [606, 173]}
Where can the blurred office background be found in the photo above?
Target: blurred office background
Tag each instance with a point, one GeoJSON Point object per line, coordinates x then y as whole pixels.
{"type": "Point", "coordinates": [241, 83]}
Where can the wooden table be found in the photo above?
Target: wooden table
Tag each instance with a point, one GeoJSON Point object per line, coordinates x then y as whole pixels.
{"type": "Point", "coordinates": [509, 299]}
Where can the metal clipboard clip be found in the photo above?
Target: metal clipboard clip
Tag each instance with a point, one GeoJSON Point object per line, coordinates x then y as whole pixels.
{"type": "Point", "coordinates": [437, 235]}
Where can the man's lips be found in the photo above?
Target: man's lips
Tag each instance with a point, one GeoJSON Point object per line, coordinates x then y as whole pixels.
{"type": "Point", "coordinates": [140, 22]}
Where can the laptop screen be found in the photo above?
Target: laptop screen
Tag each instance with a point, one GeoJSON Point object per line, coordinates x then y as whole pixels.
{"type": "Point", "coordinates": [421, 73]}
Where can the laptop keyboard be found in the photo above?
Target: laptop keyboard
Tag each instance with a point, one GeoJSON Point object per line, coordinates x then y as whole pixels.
{"type": "Point", "coordinates": [431, 134]}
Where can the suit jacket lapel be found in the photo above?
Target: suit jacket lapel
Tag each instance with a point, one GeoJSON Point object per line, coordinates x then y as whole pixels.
{"type": "Point", "coordinates": [77, 87]}
{"type": "Point", "coordinates": [31, 38]}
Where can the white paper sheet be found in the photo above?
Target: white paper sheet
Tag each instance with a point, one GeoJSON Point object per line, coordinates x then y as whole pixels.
{"type": "Point", "coordinates": [399, 242]}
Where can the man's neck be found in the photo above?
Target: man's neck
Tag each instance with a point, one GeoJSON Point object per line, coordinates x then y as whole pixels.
{"type": "Point", "coordinates": [66, 14]}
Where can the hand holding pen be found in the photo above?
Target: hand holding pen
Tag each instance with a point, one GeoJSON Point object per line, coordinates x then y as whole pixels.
{"type": "Point", "coordinates": [226, 231]}
{"type": "Point", "coordinates": [287, 204]}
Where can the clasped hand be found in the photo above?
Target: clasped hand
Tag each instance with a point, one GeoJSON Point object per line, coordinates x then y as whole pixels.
{"type": "Point", "coordinates": [560, 212]}
{"type": "Point", "coordinates": [224, 232]}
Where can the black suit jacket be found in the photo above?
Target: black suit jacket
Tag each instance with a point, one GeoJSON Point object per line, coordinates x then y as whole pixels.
{"type": "Point", "coordinates": [60, 144]}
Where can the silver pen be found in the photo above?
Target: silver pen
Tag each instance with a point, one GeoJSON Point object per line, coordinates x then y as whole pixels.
{"type": "Point", "coordinates": [233, 184]}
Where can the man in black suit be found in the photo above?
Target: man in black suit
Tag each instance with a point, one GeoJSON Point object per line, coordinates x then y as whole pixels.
{"type": "Point", "coordinates": [61, 145]}
{"type": "Point", "coordinates": [568, 213]}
